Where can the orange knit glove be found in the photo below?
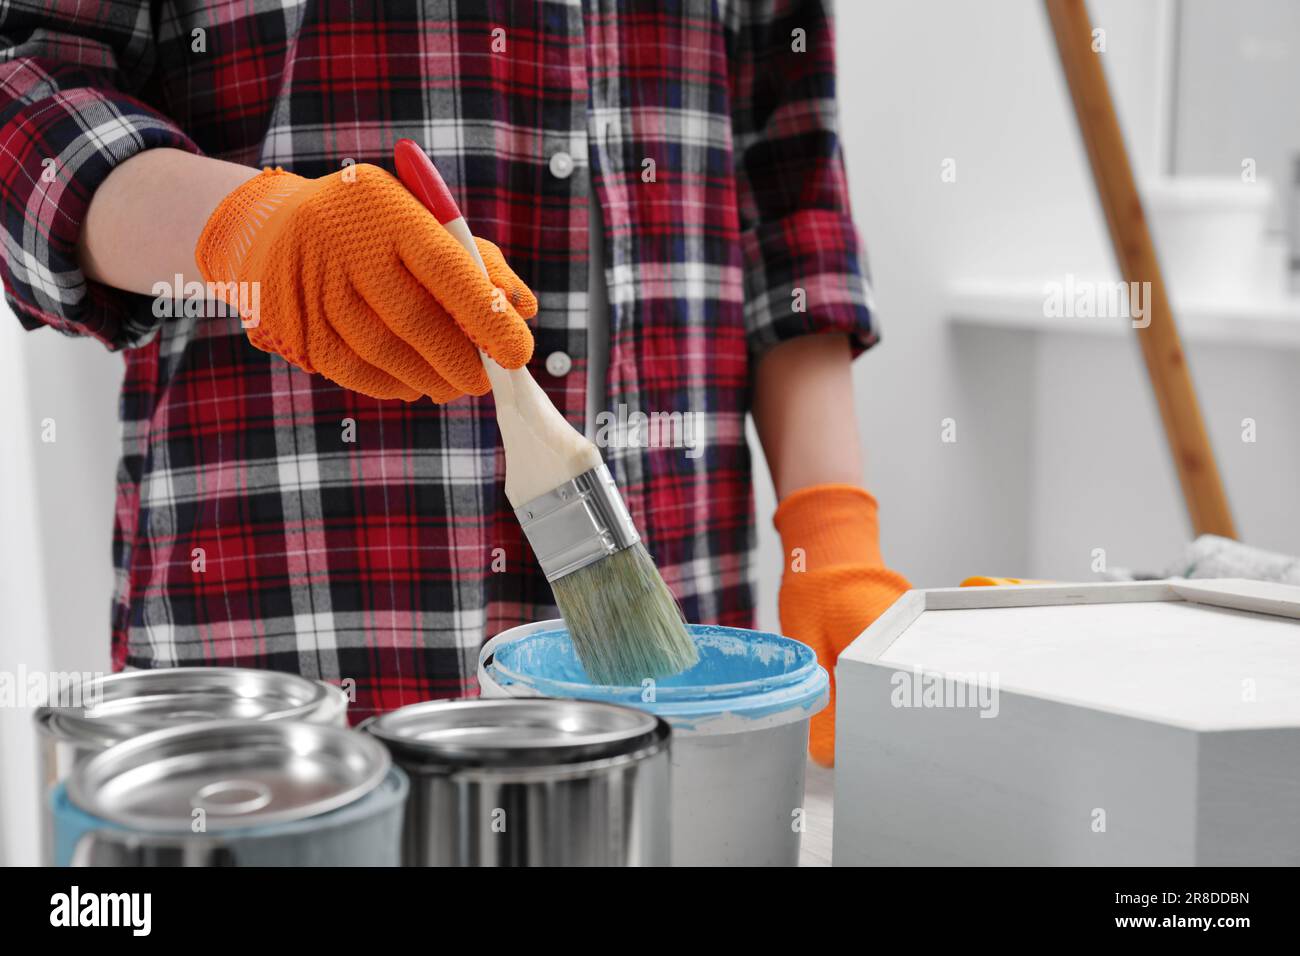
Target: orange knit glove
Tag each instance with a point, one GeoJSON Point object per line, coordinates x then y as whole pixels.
{"type": "Point", "coordinates": [357, 281]}
{"type": "Point", "coordinates": [835, 585]}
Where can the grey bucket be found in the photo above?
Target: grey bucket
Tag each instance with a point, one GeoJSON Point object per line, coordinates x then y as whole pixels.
{"type": "Point", "coordinates": [531, 783]}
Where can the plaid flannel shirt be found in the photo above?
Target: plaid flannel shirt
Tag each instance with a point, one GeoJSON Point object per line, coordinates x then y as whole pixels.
{"type": "Point", "coordinates": [268, 518]}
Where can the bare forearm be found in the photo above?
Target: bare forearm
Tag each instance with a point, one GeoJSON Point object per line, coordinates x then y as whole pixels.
{"type": "Point", "coordinates": [803, 409]}
{"type": "Point", "coordinates": [145, 218]}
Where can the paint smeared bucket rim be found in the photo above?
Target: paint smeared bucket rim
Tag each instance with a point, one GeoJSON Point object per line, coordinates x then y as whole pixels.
{"type": "Point", "coordinates": [794, 692]}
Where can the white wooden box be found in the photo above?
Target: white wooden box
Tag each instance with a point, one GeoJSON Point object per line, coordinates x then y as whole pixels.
{"type": "Point", "coordinates": [1155, 723]}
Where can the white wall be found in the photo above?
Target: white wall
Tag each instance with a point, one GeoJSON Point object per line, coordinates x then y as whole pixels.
{"type": "Point", "coordinates": [1239, 68]}
{"type": "Point", "coordinates": [21, 591]}
{"type": "Point", "coordinates": [56, 501]}
{"type": "Point", "coordinates": [1102, 475]}
{"type": "Point", "coordinates": [979, 83]}
{"type": "Point", "coordinates": [1101, 470]}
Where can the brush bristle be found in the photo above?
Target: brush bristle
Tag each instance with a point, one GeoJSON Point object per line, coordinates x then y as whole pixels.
{"type": "Point", "coordinates": [625, 624]}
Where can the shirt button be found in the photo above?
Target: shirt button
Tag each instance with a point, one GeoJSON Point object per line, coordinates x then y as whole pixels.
{"type": "Point", "coordinates": [558, 364]}
{"type": "Point", "coordinates": [561, 165]}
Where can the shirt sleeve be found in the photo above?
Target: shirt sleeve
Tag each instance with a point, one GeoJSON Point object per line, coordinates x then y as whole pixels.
{"type": "Point", "coordinates": [68, 69]}
{"type": "Point", "coordinates": [804, 268]}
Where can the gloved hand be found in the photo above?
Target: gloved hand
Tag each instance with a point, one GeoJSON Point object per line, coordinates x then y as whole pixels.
{"type": "Point", "coordinates": [357, 281]}
{"type": "Point", "coordinates": [835, 585]}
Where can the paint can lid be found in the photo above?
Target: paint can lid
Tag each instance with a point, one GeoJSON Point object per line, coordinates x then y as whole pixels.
{"type": "Point", "coordinates": [239, 773]}
{"type": "Point", "coordinates": [516, 733]}
{"type": "Point", "coordinates": [116, 707]}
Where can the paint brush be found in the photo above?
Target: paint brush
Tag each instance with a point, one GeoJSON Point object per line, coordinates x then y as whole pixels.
{"type": "Point", "coordinates": [625, 624]}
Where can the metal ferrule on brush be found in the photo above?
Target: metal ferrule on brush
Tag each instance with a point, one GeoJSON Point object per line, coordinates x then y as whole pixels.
{"type": "Point", "coordinates": [579, 523]}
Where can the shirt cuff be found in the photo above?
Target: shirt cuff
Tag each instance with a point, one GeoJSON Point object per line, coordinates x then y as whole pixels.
{"type": "Point", "coordinates": [58, 151]}
{"type": "Point", "coordinates": [804, 276]}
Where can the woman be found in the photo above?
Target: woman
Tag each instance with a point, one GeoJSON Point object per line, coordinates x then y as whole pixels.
{"type": "Point", "coordinates": [668, 190]}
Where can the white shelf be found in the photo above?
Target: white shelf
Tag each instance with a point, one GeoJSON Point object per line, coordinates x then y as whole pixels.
{"type": "Point", "coordinates": [1018, 305]}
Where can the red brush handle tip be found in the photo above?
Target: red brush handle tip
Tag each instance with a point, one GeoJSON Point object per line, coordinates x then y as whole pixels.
{"type": "Point", "coordinates": [418, 174]}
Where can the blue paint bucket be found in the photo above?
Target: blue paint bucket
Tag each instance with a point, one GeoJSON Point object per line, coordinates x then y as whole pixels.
{"type": "Point", "coordinates": [740, 730]}
{"type": "Point", "coordinates": [233, 793]}
{"type": "Point", "coordinates": [366, 833]}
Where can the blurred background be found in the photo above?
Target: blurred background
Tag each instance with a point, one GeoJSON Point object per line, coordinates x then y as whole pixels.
{"type": "Point", "coordinates": [1058, 448]}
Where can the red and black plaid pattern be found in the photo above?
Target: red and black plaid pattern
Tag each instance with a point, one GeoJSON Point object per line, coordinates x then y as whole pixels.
{"type": "Point", "coordinates": [268, 518]}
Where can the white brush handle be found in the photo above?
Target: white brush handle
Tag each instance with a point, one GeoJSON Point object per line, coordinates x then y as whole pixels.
{"type": "Point", "coordinates": [542, 449]}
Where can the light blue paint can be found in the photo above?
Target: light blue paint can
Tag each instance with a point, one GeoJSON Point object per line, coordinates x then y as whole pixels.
{"type": "Point", "coordinates": [740, 730]}
{"type": "Point", "coordinates": [366, 833]}
{"type": "Point", "coordinates": [233, 793]}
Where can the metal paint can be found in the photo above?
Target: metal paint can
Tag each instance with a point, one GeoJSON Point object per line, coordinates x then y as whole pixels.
{"type": "Point", "coordinates": [740, 722]}
{"type": "Point", "coordinates": [120, 706]}
{"type": "Point", "coordinates": [531, 783]}
{"type": "Point", "coordinates": [234, 793]}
